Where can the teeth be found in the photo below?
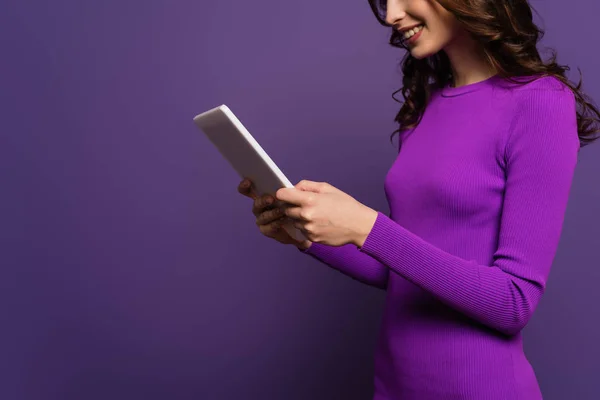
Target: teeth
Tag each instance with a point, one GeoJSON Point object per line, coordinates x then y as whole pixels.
{"type": "Point", "coordinates": [410, 33]}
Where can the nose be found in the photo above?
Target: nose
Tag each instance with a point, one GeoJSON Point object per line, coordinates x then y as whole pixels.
{"type": "Point", "coordinates": [394, 12]}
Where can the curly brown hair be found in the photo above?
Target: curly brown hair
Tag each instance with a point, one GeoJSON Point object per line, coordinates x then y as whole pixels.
{"type": "Point", "coordinates": [508, 35]}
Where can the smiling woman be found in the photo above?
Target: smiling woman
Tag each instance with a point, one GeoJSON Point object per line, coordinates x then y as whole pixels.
{"type": "Point", "coordinates": [489, 140]}
{"type": "Point", "coordinates": [476, 218]}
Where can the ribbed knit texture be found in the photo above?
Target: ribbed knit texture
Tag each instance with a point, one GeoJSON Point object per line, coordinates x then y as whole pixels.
{"type": "Point", "coordinates": [477, 199]}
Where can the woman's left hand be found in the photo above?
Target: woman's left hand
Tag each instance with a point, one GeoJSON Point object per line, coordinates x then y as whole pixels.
{"type": "Point", "coordinates": [327, 215]}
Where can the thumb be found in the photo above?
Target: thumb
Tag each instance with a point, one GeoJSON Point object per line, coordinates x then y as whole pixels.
{"type": "Point", "coordinates": [312, 186]}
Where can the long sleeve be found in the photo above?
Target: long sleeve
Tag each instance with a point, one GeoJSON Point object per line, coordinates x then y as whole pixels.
{"type": "Point", "coordinates": [351, 262]}
{"type": "Point", "coordinates": [540, 157]}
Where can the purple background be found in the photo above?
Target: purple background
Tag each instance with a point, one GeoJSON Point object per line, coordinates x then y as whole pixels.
{"type": "Point", "coordinates": [131, 268]}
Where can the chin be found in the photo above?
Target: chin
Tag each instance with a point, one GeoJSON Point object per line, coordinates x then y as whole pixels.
{"type": "Point", "coordinates": [420, 53]}
{"type": "Point", "coordinates": [424, 50]}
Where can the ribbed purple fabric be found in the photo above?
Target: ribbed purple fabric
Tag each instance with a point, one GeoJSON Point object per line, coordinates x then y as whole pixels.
{"type": "Point", "coordinates": [477, 198]}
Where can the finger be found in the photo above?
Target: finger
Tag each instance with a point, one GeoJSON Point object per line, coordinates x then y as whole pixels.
{"type": "Point", "coordinates": [270, 229]}
{"type": "Point", "coordinates": [262, 203]}
{"type": "Point", "coordinates": [246, 187]}
{"type": "Point", "coordinates": [294, 212]}
{"type": "Point", "coordinates": [291, 196]}
{"type": "Point", "coordinates": [312, 186]}
{"type": "Point", "coordinates": [301, 225]}
{"type": "Point", "coordinates": [269, 216]}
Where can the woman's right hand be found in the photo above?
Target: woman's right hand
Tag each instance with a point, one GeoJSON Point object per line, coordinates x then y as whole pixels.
{"type": "Point", "coordinates": [270, 215]}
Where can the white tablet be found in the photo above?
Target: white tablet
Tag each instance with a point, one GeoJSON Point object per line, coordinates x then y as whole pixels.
{"type": "Point", "coordinates": [243, 152]}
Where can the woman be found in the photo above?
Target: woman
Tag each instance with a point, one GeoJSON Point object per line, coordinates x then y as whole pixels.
{"type": "Point", "coordinates": [490, 136]}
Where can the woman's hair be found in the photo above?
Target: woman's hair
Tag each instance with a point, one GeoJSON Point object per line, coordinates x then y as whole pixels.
{"type": "Point", "coordinates": [506, 31]}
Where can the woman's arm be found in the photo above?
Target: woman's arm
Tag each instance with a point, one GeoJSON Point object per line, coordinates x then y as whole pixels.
{"type": "Point", "coordinates": [351, 262]}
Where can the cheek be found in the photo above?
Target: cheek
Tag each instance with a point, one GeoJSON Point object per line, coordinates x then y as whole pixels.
{"type": "Point", "coordinates": [436, 36]}
{"type": "Point", "coordinates": [444, 25]}
{"type": "Point", "coordinates": [429, 43]}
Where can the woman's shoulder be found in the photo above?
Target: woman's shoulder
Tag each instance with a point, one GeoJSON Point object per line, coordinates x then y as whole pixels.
{"type": "Point", "coordinates": [541, 92]}
{"type": "Point", "coordinates": [535, 82]}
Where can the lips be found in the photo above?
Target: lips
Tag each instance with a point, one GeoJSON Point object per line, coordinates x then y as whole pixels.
{"type": "Point", "coordinates": [418, 29]}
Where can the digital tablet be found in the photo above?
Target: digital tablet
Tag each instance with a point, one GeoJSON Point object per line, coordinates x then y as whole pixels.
{"type": "Point", "coordinates": [245, 155]}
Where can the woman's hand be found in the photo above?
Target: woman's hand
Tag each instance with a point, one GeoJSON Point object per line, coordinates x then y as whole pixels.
{"type": "Point", "coordinates": [326, 214]}
{"type": "Point", "coordinates": [270, 215]}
